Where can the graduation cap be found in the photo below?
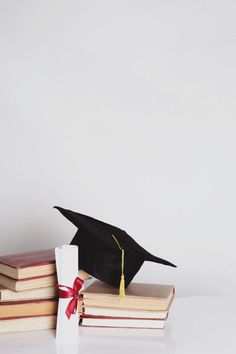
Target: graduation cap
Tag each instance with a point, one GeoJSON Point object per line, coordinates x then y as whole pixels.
{"type": "Point", "coordinates": [107, 252]}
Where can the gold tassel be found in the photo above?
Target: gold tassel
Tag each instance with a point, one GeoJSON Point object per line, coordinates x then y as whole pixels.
{"type": "Point", "coordinates": [122, 286]}
{"type": "Point", "coordinates": [122, 278]}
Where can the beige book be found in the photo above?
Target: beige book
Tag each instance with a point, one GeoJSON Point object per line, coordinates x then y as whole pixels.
{"type": "Point", "coordinates": [28, 308]}
{"type": "Point", "coordinates": [28, 324]}
{"type": "Point", "coordinates": [33, 294]}
{"type": "Point", "coordinates": [139, 296]}
{"type": "Point", "coordinates": [23, 273]}
{"type": "Point", "coordinates": [26, 284]}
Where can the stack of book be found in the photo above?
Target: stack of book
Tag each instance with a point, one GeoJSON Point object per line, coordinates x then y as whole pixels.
{"type": "Point", "coordinates": [144, 306]}
{"type": "Point", "coordinates": [28, 295]}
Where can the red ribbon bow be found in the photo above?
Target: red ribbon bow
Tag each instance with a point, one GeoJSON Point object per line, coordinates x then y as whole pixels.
{"type": "Point", "coordinates": [71, 292]}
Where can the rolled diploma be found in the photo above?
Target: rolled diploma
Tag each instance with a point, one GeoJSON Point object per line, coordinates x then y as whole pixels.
{"type": "Point", "coordinates": [67, 270]}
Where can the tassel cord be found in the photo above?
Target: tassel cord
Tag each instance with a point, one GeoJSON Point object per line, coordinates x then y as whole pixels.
{"type": "Point", "coordinates": [122, 279]}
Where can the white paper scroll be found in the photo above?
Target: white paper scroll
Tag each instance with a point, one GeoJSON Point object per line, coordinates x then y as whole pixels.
{"type": "Point", "coordinates": [67, 270]}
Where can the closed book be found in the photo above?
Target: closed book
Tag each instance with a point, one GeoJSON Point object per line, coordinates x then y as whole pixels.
{"type": "Point", "coordinates": [139, 296]}
{"type": "Point", "coordinates": [124, 313]}
{"type": "Point", "coordinates": [32, 294]}
{"type": "Point", "coordinates": [122, 322]}
{"type": "Point", "coordinates": [28, 283]}
{"type": "Point", "coordinates": [28, 264]}
{"type": "Point", "coordinates": [31, 264]}
{"type": "Point", "coordinates": [28, 324]}
{"type": "Point", "coordinates": [28, 308]}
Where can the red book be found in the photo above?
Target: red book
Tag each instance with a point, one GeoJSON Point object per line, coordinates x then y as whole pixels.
{"type": "Point", "coordinates": [29, 264]}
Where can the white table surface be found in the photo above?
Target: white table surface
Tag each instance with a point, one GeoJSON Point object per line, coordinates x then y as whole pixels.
{"type": "Point", "coordinates": [195, 325]}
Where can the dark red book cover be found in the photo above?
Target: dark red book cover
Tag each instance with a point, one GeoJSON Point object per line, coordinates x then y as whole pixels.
{"type": "Point", "coordinates": [29, 259]}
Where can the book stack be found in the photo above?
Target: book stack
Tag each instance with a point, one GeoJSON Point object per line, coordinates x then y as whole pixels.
{"type": "Point", "coordinates": [28, 296]}
{"type": "Point", "coordinates": [144, 306]}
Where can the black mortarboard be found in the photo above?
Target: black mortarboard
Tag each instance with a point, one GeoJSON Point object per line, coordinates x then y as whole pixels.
{"type": "Point", "coordinates": [107, 252]}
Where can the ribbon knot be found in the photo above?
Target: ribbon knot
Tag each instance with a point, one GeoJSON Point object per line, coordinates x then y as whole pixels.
{"type": "Point", "coordinates": [71, 293]}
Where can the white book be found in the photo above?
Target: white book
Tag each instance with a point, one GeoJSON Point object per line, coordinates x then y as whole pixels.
{"type": "Point", "coordinates": [127, 323]}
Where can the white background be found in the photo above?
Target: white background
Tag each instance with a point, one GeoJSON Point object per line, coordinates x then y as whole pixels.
{"type": "Point", "coordinates": [125, 111]}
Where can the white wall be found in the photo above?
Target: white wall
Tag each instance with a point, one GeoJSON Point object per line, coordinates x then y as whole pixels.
{"type": "Point", "coordinates": [123, 110]}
